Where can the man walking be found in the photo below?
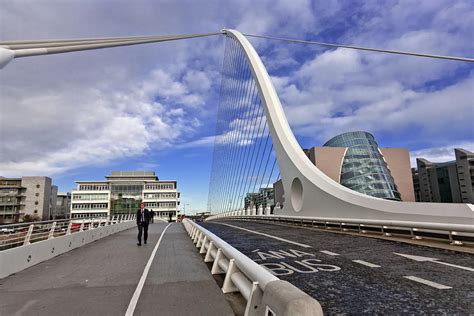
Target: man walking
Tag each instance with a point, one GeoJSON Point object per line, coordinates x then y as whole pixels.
{"type": "Point", "coordinates": [143, 218]}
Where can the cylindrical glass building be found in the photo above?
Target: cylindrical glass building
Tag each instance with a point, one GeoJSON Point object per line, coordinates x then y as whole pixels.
{"type": "Point", "coordinates": [364, 170]}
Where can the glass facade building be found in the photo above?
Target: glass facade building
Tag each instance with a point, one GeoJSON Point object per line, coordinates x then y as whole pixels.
{"type": "Point", "coordinates": [364, 169]}
{"type": "Point", "coordinates": [122, 193]}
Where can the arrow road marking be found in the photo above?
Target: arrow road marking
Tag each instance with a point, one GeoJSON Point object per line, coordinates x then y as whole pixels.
{"type": "Point", "coordinates": [425, 259]}
{"type": "Point", "coordinates": [365, 263]}
{"type": "Point", "coordinates": [426, 282]}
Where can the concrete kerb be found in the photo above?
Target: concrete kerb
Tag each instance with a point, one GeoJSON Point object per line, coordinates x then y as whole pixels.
{"type": "Point", "coordinates": [17, 259]}
{"type": "Point", "coordinates": [263, 291]}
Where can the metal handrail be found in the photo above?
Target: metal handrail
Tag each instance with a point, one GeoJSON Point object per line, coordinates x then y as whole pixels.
{"type": "Point", "coordinates": [22, 234]}
{"type": "Point", "coordinates": [408, 224]}
{"type": "Point", "coordinates": [456, 234]}
{"type": "Point", "coordinates": [242, 274]}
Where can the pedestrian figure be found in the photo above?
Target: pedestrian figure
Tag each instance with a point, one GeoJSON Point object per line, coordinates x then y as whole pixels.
{"type": "Point", "coordinates": [143, 218]}
{"type": "Point", "coordinates": [152, 215]}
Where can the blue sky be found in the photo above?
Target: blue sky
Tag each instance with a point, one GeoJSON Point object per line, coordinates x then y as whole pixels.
{"type": "Point", "coordinates": [79, 116]}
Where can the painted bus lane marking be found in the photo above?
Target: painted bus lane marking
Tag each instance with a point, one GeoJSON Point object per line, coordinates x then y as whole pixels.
{"type": "Point", "coordinates": [286, 262]}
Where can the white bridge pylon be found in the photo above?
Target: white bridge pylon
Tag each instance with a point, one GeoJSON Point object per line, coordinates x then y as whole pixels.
{"type": "Point", "coordinates": [310, 193]}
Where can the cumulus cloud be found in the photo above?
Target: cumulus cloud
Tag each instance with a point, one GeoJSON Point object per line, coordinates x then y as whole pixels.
{"type": "Point", "coordinates": [64, 112]}
{"type": "Point", "coordinates": [439, 154]}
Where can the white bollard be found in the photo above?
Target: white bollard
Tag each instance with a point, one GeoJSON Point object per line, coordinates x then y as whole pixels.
{"type": "Point", "coordinates": [268, 210]}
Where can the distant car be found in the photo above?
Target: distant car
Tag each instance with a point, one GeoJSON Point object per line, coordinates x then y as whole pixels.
{"type": "Point", "coordinates": [8, 230]}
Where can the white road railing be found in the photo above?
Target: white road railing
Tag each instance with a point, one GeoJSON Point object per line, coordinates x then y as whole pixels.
{"type": "Point", "coordinates": [32, 243]}
{"type": "Point", "coordinates": [455, 233]}
{"type": "Point", "coordinates": [22, 234]}
{"type": "Point", "coordinates": [265, 293]}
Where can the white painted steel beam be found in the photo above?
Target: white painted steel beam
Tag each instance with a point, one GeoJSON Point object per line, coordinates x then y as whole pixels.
{"type": "Point", "coordinates": [17, 49]}
{"type": "Point", "coordinates": [309, 192]}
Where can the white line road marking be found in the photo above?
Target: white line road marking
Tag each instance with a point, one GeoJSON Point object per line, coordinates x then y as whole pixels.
{"type": "Point", "coordinates": [365, 263]}
{"type": "Point", "coordinates": [426, 282]}
{"type": "Point", "coordinates": [426, 259]}
{"type": "Point", "coordinates": [329, 253]}
{"type": "Point", "coordinates": [138, 290]}
{"type": "Point", "coordinates": [267, 235]}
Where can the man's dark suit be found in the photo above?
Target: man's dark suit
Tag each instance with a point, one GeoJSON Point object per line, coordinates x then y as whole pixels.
{"type": "Point", "coordinates": [142, 223]}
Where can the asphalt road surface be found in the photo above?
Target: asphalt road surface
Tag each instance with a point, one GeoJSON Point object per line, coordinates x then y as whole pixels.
{"type": "Point", "coordinates": [355, 275]}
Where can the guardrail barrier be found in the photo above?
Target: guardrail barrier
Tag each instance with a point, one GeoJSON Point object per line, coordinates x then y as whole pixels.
{"type": "Point", "coordinates": [265, 293]}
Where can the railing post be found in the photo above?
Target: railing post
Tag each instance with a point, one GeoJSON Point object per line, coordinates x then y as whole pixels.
{"type": "Point", "coordinates": [208, 257]}
{"type": "Point", "coordinates": [28, 235]}
{"type": "Point", "coordinates": [255, 299]}
{"type": "Point", "coordinates": [201, 237]}
{"type": "Point", "coordinates": [51, 231]}
{"type": "Point", "coordinates": [69, 227]}
{"type": "Point", "coordinates": [216, 269]}
{"type": "Point", "coordinates": [228, 285]}
{"type": "Point", "coordinates": [82, 226]}
{"type": "Point", "coordinates": [203, 245]}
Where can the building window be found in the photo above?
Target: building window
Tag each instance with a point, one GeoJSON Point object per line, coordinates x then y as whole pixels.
{"type": "Point", "coordinates": [36, 211]}
{"type": "Point", "coordinates": [36, 202]}
{"type": "Point", "coordinates": [37, 186]}
{"type": "Point", "coordinates": [37, 194]}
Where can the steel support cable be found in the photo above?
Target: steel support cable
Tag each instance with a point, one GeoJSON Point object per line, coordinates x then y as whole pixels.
{"type": "Point", "coordinates": [233, 136]}
{"type": "Point", "coordinates": [266, 165]}
{"type": "Point", "coordinates": [247, 100]}
{"type": "Point", "coordinates": [388, 51]}
{"type": "Point", "coordinates": [212, 179]}
{"type": "Point", "coordinates": [246, 135]}
{"type": "Point", "coordinates": [242, 147]}
{"type": "Point", "coordinates": [260, 140]}
{"type": "Point", "coordinates": [242, 188]}
{"type": "Point", "coordinates": [270, 176]}
{"type": "Point", "coordinates": [218, 150]}
{"type": "Point", "coordinates": [228, 106]}
{"type": "Point", "coordinates": [49, 44]}
{"type": "Point", "coordinates": [228, 181]}
{"type": "Point", "coordinates": [253, 150]}
{"type": "Point", "coordinates": [249, 132]}
{"type": "Point", "coordinates": [99, 45]}
{"type": "Point", "coordinates": [88, 39]}
{"type": "Point", "coordinates": [261, 160]}
{"type": "Point", "coordinates": [243, 120]}
{"type": "Point", "coordinates": [235, 176]}
{"type": "Point", "coordinates": [251, 147]}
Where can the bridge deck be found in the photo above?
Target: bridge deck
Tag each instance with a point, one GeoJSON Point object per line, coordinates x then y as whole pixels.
{"type": "Point", "coordinates": [358, 275]}
{"type": "Point", "coordinates": [101, 278]}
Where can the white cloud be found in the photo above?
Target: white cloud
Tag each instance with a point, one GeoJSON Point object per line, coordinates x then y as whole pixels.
{"type": "Point", "coordinates": [439, 154]}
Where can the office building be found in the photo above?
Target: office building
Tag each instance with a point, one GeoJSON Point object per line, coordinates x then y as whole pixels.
{"type": "Point", "coordinates": [265, 197]}
{"type": "Point", "coordinates": [30, 198]}
{"type": "Point", "coordinates": [355, 160]}
{"type": "Point", "coordinates": [122, 192]}
{"type": "Point", "coordinates": [63, 203]}
{"type": "Point", "coordinates": [446, 182]}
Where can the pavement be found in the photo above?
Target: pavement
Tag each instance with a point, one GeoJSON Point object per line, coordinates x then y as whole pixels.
{"type": "Point", "coordinates": [358, 275]}
{"type": "Point", "coordinates": [102, 277]}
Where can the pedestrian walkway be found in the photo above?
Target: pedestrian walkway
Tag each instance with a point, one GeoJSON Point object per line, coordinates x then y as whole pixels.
{"type": "Point", "coordinates": [101, 278]}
